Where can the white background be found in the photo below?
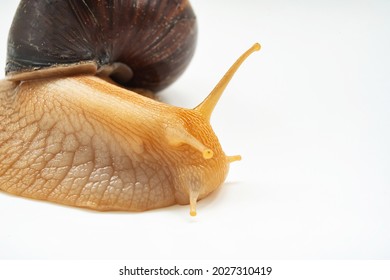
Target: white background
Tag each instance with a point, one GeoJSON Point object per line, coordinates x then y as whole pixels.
{"type": "Point", "coordinates": [310, 115]}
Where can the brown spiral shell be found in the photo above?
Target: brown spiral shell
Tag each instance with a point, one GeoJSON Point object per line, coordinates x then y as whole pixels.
{"type": "Point", "coordinates": [152, 41]}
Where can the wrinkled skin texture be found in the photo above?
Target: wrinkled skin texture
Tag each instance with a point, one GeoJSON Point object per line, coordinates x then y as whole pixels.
{"type": "Point", "coordinates": [84, 142]}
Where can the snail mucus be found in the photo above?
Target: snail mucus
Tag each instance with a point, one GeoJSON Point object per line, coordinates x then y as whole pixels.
{"type": "Point", "coordinates": [74, 128]}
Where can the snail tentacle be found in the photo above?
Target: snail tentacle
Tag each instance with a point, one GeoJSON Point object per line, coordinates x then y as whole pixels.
{"type": "Point", "coordinates": [207, 106]}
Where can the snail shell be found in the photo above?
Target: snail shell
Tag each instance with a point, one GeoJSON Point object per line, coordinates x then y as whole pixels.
{"type": "Point", "coordinates": [140, 44]}
{"type": "Point", "coordinates": [70, 135]}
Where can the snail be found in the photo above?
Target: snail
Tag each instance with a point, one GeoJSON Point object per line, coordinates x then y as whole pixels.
{"type": "Point", "coordinates": [74, 128]}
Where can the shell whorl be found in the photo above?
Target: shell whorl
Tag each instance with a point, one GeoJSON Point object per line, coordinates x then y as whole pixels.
{"type": "Point", "coordinates": [150, 42]}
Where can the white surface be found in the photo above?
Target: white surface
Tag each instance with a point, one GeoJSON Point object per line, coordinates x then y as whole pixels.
{"type": "Point", "coordinates": [310, 116]}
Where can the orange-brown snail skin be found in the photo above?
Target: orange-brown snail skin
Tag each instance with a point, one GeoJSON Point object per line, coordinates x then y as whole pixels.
{"type": "Point", "coordinates": [83, 140]}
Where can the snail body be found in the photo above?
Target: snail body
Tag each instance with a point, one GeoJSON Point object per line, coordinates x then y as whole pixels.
{"type": "Point", "coordinates": [81, 138]}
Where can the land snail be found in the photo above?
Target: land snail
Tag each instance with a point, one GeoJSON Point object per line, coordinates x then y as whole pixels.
{"type": "Point", "coordinates": [74, 128]}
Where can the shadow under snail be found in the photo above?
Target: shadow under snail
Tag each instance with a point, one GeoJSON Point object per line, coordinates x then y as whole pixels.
{"type": "Point", "coordinates": [74, 128]}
